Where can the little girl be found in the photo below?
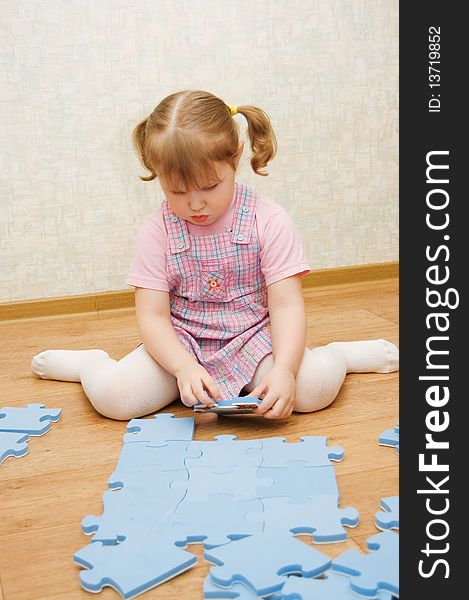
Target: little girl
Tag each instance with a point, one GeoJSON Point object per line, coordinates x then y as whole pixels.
{"type": "Point", "coordinates": [216, 273]}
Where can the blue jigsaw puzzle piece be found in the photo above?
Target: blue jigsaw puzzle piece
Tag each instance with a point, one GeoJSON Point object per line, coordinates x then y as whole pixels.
{"type": "Point", "coordinates": [238, 591]}
{"type": "Point", "coordinates": [332, 587]}
{"type": "Point", "coordinates": [123, 509]}
{"type": "Point", "coordinates": [149, 487]}
{"type": "Point", "coordinates": [215, 522]}
{"type": "Point", "coordinates": [297, 482]}
{"type": "Point", "coordinates": [320, 517]}
{"type": "Point", "coordinates": [240, 482]}
{"type": "Point", "coordinates": [33, 419]}
{"type": "Point", "coordinates": [376, 571]}
{"type": "Point", "coordinates": [136, 564]}
{"type": "Point", "coordinates": [224, 453]}
{"type": "Point", "coordinates": [312, 450]}
{"type": "Point", "coordinates": [390, 437]}
{"type": "Point", "coordinates": [149, 483]}
{"type": "Point", "coordinates": [169, 457]}
{"type": "Point", "coordinates": [13, 444]}
{"type": "Point", "coordinates": [260, 561]}
{"type": "Point", "coordinates": [389, 517]}
{"type": "Point", "coordinates": [162, 428]}
{"type": "Point", "coordinates": [240, 405]}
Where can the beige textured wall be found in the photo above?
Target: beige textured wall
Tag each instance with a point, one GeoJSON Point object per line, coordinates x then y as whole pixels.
{"type": "Point", "coordinates": [76, 76]}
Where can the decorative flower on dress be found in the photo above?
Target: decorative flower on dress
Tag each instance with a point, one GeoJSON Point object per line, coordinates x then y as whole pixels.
{"type": "Point", "coordinates": [213, 284]}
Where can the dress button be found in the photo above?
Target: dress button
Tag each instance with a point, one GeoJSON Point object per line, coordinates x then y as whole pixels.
{"type": "Point", "coordinates": [174, 219]}
{"type": "Point", "coordinates": [245, 209]}
{"type": "Point", "coordinates": [240, 237]}
{"type": "Point", "coordinates": [181, 245]}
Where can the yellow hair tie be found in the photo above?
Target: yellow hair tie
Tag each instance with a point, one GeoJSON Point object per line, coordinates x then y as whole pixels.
{"type": "Point", "coordinates": [233, 110]}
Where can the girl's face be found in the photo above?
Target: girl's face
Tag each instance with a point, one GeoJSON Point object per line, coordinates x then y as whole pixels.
{"type": "Point", "coordinates": [205, 206]}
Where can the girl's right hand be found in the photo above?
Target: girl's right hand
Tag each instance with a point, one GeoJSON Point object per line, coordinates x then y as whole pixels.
{"type": "Point", "coordinates": [196, 385]}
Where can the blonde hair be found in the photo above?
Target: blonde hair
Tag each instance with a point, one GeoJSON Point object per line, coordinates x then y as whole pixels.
{"type": "Point", "coordinates": [191, 130]}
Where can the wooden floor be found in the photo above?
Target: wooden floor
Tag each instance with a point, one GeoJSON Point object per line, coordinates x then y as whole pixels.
{"type": "Point", "coordinates": [45, 495]}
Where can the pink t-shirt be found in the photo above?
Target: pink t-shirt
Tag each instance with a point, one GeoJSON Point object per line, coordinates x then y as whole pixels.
{"type": "Point", "coordinates": [281, 253]}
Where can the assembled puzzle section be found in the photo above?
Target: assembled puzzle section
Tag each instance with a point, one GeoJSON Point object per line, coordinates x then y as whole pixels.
{"type": "Point", "coordinates": [152, 458]}
{"type": "Point", "coordinates": [17, 424]}
{"type": "Point", "coordinates": [226, 493]}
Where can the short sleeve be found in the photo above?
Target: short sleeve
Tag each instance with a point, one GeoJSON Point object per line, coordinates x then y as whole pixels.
{"type": "Point", "coordinates": [148, 268]}
{"type": "Point", "coordinates": [282, 253]}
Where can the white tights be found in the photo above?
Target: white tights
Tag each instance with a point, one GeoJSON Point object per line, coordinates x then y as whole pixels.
{"type": "Point", "coordinates": [137, 385]}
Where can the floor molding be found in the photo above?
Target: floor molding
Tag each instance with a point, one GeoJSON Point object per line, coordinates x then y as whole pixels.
{"type": "Point", "coordinates": [353, 274]}
{"type": "Point", "coordinates": [95, 303]}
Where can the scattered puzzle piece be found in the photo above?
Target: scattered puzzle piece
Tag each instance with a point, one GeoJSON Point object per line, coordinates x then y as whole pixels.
{"type": "Point", "coordinates": [312, 450]}
{"type": "Point", "coordinates": [376, 571]}
{"type": "Point", "coordinates": [390, 437]}
{"type": "Point", "coordinates": [319, 517]}
{"type": "Point", "coordinates": [160, 429]}
{"type": "Point", "coordinates": [260, 561]}
{"type": "Point", "coordinates": [389, 517]}
{"type": "Point", "coordinates": [132, 566]}
{"type": "Point", "coordinates": [33, 419]}
{"type": "Point", "coordinates": [13, 444]}
{"type": "Point", "coordinates": [331, 587]}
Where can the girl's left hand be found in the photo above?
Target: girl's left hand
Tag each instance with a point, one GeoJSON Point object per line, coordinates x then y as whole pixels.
{"type": "Point", "coordinates": [277, 391]}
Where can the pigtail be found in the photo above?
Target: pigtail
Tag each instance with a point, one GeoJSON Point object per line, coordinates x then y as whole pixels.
{"type": "Point", "coordinates": [261, 136]}
{"type": "Point", "coordinates": [138, 142]}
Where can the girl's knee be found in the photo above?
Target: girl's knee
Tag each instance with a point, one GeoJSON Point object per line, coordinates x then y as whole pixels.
{"type": "Point", "coordinates": [114, 410]}
{"type": "Point", "coordinates": [311, 402]}
{"type": "Point", "coordinates": [319, 379]}
{"type": "Point", "coordinates": [115, 394]}
{"type": "Point", "coordinates": [118, 408]}
{"type": "Point", "coordinates": [107, 394]}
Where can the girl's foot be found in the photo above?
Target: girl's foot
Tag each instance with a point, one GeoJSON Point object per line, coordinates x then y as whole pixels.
{"type": "Point", "coordinates": [369, 356]}
{"type": "Point", "coordinates": [63, 365]}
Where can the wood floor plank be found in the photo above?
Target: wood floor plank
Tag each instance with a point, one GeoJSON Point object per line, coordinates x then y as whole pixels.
{"type": "Point", "coordinates": [45, 495]}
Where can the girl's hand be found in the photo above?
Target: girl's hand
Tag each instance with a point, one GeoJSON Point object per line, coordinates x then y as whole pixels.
{"type": "Point", "coordinates": [194, 382]}
{"type": "Point", "coordinates": [277, 391]}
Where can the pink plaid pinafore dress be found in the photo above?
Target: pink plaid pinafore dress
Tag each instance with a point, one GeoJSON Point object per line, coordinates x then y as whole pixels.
{"type": "Point", "coordinates": [218, 295]}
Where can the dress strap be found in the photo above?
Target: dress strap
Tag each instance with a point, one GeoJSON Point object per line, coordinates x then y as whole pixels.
{"type": "Point", "coordinates": [178, 235]}
{"type": "Point", "coordinates": [245, 214]}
